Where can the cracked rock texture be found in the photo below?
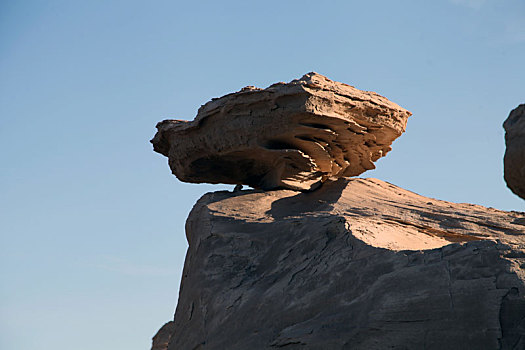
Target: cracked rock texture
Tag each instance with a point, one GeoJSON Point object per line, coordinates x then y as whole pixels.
{"type": "Point", "coordinates": [356, 264]}
{"type": "Point", "coordinates": [514, 160]}
{"type": "Point", "coordinates": [290, 135]}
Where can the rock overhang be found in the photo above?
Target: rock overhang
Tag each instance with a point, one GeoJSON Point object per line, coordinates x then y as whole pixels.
{"type": "Point", "coordinates": [290, 135]}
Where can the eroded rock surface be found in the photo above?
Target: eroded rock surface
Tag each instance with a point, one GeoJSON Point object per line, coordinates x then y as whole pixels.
{"type": "Point", "coordinates": [163, 336]}
{"type": "Point", "coordinates": [356, 264]}
{"type": "Point", "coordinates": [514, 160]}
{"type": "Point", "coordinates": [290, 135]}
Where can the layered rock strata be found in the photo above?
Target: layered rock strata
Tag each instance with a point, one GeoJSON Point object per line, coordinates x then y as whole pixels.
{"type": "Point", "coordinates": [356, 264]}
{"type": "Point", "coordinates": [290, 135]}
{"type": "Point", "coordinates": [514, 159]}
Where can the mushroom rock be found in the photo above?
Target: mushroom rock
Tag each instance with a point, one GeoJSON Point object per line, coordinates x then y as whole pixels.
{"type": "Point", "coordinates": [514, 159]}
{"type": "Point", "coordinates": [290, 135]}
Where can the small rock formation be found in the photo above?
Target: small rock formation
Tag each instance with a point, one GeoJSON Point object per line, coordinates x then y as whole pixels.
{"type": "Point", "coordinates": [514, 160]}
{"type": "Point", "coordinates": [294, 135]}
{"type": "Point", "coordinates": [356, 264]}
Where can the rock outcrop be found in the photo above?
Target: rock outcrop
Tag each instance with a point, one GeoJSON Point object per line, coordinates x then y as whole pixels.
{"type": "Point", "coordinates": [514, 160]}
{"type": "Point", "coordinates": [356, 264]}
{"type": "Point", "coordinates": [290, 135]}
{"type": "Point", "coordinates": [163, 336]}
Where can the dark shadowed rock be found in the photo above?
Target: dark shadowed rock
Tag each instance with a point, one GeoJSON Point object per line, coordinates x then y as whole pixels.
{"type": "Point", "coordinates": [291, 135]}
{"type": "Point", "coordinates": [514, 160]}
{"type": "Point", "coordinates": [163, 336]}
{"type": "Point", "coordinates": [357, 264]}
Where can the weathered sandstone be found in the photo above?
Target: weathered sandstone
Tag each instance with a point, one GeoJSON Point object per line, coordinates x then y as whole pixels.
{"type": "Point", "coordinates": [290, 135]}
{"type": "Point", "coordinates": [514, 160]}
{"type": "Point", "coordinates": [356, 264]}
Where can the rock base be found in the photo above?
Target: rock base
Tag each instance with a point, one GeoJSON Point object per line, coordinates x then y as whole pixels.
{"type": "Point", "coordinates": [357, 264]}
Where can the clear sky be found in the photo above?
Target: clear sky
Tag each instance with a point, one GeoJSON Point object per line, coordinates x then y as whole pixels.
{"type": "Point", "coordinates": [91, 220]}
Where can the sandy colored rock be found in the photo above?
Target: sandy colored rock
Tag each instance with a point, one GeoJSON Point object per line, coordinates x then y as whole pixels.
{"type": "Point", "coordinates": [290, 135]}
{"type": "Point", "coordinates": [514, 160]}
{"type": "Point", "coordinates": [356, 264]}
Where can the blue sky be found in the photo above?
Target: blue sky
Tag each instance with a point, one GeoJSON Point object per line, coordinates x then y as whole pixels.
{"type": "Point", "coordinates": [92, 221]}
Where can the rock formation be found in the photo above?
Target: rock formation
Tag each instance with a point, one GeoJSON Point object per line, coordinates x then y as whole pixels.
{"type": "Point", "coordinates": [514, 160]}
{"type": "Point", "coordinates": [293, 135]}
{"type": "Point", "coordinates": [163, 336]}
{"type": "Point", "coordinates": [356, 264]}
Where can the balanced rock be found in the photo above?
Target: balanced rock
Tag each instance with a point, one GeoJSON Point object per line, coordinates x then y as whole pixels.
{"type": "Point", "coordinates": [290, 135]}
{"type": "Point", "coordinates": [356, 264]}
{"type": "Point", "coordinates": [514, 160]}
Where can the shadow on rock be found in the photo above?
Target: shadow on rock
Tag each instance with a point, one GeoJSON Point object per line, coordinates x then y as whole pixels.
{"type": "Point", "coordinates": [320, 200]}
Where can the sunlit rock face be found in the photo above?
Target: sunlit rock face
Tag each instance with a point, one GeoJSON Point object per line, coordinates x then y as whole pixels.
{"type": "Point", "coordinates": [514, 160]}
{"type": "Point", "coordinates": [290, 135]}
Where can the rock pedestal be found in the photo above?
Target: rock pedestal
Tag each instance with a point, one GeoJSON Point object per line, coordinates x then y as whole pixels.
{"type": "Point", "coordinates": [356, 264]}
